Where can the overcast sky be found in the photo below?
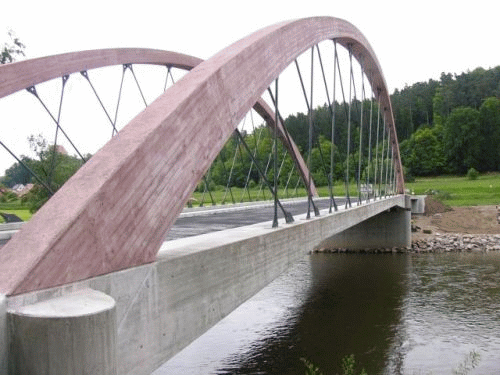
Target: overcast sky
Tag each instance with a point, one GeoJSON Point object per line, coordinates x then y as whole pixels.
{"type": "Point", "coordinates": [414, 41]}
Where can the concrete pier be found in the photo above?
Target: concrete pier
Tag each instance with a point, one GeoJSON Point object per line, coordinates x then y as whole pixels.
{"type": "Point", "coordinates": [388, 229]}
{"type": "Point", "coordinates": [74, 334]}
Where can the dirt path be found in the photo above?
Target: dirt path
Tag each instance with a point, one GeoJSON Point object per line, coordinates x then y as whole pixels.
{"type": "Point", "coordinates": [441, 219]}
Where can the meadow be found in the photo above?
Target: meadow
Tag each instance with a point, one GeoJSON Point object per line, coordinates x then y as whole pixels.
{"type": "Point", "coordinates": [451, 190]}
{"type": "Point", "coordinates": [459, 190]}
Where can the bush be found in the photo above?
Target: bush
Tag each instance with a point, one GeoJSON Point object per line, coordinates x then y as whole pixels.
{"type": "Point", "coordinates": [438, 194]}
{"type": "Point", "coordinates": [472, 174]}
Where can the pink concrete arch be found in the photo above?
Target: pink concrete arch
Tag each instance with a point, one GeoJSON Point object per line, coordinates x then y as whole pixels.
{"type": "Point", "coordinates": [23, 74]}
{"type": "Point", "coordinates": [115, 211]}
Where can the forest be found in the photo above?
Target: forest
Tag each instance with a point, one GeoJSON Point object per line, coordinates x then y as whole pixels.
{"type": "Point", "coordinates": [444, 127]}
{"type": "Point", "coordinates": [451, 125]}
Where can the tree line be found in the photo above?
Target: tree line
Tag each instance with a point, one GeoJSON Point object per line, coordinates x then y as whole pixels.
{"type": "Point", "coordinates": [450, 126]}
{"type": "Point", "coordinates": [232, 166]}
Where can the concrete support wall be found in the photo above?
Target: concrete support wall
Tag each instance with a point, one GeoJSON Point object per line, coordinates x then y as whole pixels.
{"type": "Point", "coordinates": [163, 306]}
{"type": "Point", "coordinates": [418, 204]}
{"type": "Point", "coordinates": [73, 335]}
{"type": "Point", "coordinates": [388, 229]}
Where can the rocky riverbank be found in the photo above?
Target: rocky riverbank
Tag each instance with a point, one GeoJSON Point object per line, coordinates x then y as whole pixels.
{"type": "Point", "coordinates": [457, 242]}
{"type": "Point", "coordinates": [445, 229]}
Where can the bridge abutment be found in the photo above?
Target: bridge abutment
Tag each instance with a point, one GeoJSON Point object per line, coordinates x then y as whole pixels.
{"type": "Point", "coordinates": [388, 229]}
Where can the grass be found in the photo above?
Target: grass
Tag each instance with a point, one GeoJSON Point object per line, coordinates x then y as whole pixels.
{"type": "Point", "coordinates": [256, 194]}
{"type": "Point", "coordinates": [16, 208]}
{"type": "Point", "coordinates": [460, 191]}
{"type": "Point", "coordinates": [241, 195]}
{"type": "Point", "coordinates": [452, 190]}
{"type": "Point", "coordinates": [24, 215]}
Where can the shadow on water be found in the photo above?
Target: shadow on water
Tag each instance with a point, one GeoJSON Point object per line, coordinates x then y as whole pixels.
{"type": "Point", "coordinates": [352, 305]}
{"type": "Point", "coordinates": [398, 314]}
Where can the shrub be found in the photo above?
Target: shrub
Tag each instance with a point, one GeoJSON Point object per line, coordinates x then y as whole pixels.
{"type": "Point", "coordinates": [472, 174]}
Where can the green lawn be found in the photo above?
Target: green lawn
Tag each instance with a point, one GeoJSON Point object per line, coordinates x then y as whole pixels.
{"type": "Point", "coordinates": [241, 195]}
{"type": "Point", "coordinates": [452, 190]}
{"type": "Point", "coordinates": [15, 208]}
{"type": "Point", "coordinates": [25, 214]}
{"type": "Point", "coordinates": [459, 191]}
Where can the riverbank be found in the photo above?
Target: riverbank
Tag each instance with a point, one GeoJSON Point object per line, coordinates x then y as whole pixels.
{"type": "Point", "coordinates": [446, 229]}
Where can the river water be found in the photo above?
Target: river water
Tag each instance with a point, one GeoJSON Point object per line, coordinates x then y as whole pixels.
{"type": "Point", "coordinates": [398, 314]}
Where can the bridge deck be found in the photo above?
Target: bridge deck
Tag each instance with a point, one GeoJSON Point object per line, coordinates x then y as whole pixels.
{"type": "Point", "coordinates": [198, 221]}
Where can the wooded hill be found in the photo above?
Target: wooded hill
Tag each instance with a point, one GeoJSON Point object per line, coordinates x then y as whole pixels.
{"type": "Point", "coordinates": [451, 125]}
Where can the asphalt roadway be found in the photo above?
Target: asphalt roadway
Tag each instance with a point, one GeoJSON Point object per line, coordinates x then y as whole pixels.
{"type": "Point", "coordinates": [221, 218]}
{"type": "Point", "coordinates": [211, 219]}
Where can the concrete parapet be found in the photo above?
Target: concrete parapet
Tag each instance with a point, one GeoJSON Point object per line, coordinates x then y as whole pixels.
{"type": "Point", "coordinates": [11, 226]}
{"type": "Point", "coordinates": [71, 334]}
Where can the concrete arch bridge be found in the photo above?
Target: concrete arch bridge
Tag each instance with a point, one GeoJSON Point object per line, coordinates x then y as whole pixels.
{"type": "Point", "coordinates": [89, 283]}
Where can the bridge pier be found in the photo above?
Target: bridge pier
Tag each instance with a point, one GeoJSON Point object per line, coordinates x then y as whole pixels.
{"type": "Point", "coordinates": [391, 228]}
{"type": "Point", "coordinates": [71, 334]}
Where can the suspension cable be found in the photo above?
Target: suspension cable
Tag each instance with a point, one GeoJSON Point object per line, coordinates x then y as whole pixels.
{"type": "Point", "coordinates": [348, 201]}
{"type": "Point", "coordinates": [85, 74]}
{"type": "Point", "coordinates": [361, 134]}
{"type": "Point", "coordinates": [28, 169]}
{"type": "Point", "coordinates": [33, 91]}
{"type": "Point", "coordinates": [288, 216]}
{"type": "Point", "coordinates": [137, 83]}
{"type": "Point", "coordinates": [228, 185]}
{"type": "Point", "coordinates": [376, 150]}
{"type": "Point", "coordinates": [54, 153]}
{"type": "Point", "coordinates": [327, 175]}
{"type": "Point", "coordinates": [382, 161]}
{"type": "Point", "coordinates": [368, 183]}
{"type": "Point", "coordinates": [275, 164]}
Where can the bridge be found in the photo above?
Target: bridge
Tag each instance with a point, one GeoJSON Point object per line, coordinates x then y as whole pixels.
{"type": "Point", "coordinates": [89, 284]}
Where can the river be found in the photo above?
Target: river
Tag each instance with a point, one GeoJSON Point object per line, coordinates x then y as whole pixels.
{"type": "Point", "coordinates": [398, 314]}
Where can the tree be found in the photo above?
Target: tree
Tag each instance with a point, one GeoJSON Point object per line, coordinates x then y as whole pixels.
{"type": "Point", "coordinates": [463, 141]}
{"type": "Point", "coordinates": [12, 49]}
{"type": "Point", "coordinates": [17, 173]}
{"type": "Point", "coordinates": [423, 153]}
{"type": "Point", "coordinates": [52, 167]}
{"type": "Point", "coordinates": [490, 129]}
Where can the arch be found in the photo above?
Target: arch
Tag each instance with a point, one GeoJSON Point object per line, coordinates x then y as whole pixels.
{"type": "Point", "coordinates": [20, 75]}
{"type": "Point", "coordinates": [116, 210]}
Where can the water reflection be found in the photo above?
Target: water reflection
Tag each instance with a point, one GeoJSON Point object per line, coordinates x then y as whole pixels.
{"type": "Point", "coordinates": [452, 308]}
{"type": "Point", "coordinates": [398, 314]}
{"type": "Point", "coordinates": [324, 308]}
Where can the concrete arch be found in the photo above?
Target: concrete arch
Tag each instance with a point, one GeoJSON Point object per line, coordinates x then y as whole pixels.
{"type": "Point", "coordinates": [20, 75]}
{"type": "Point", "coordinates": [115, 211]}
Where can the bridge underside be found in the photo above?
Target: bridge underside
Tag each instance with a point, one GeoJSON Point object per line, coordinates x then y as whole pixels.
{"type": "Point", "coordinates": [163, 306]}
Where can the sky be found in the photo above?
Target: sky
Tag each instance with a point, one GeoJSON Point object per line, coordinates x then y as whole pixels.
{"type": "Point", "coordinates": [414, 41]}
